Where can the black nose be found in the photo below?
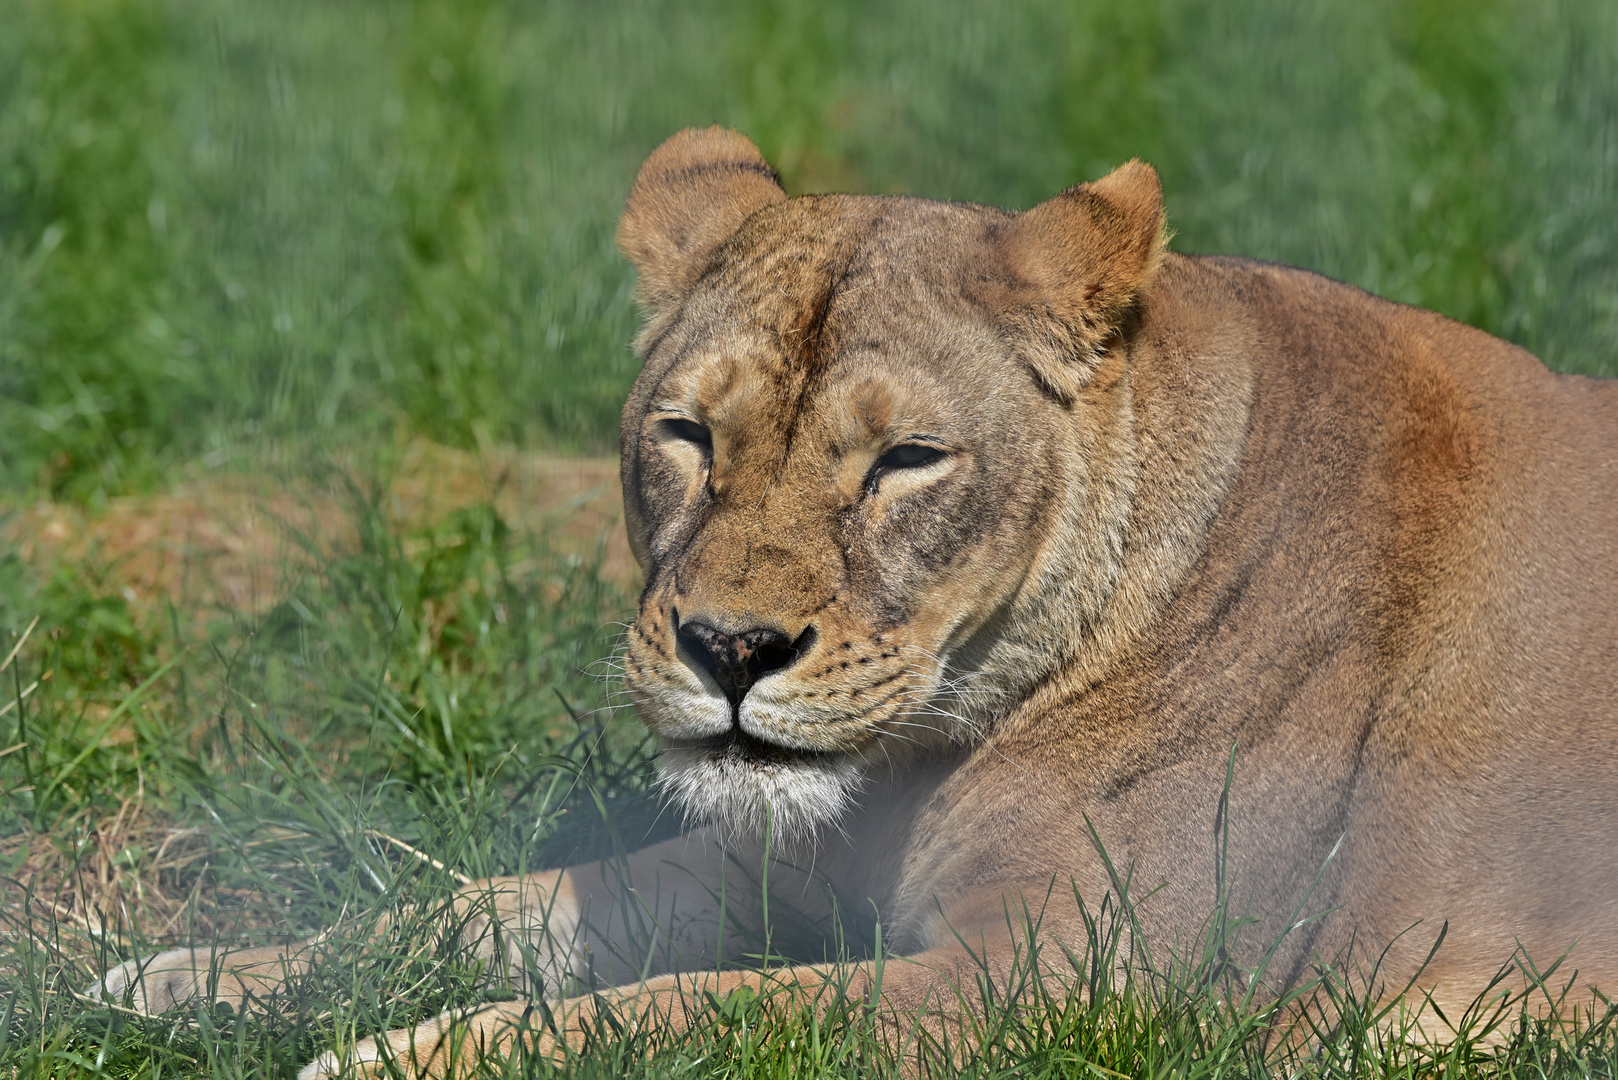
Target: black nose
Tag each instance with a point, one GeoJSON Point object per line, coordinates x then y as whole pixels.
{"type": "Point", "coordinates": [737, 661]}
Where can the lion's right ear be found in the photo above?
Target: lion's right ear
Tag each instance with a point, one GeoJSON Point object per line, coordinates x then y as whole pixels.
{"type": "Point", "coordinates": [692, 194]}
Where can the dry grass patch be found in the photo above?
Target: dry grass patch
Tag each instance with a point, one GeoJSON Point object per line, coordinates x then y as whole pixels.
{"type": "Point", "coordinates": [229, 541]}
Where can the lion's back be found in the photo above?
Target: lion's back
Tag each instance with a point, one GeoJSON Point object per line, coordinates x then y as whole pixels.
{"type": "Point", "coordinates": [1483, 490]}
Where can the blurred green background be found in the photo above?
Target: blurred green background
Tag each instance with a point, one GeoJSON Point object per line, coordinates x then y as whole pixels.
{"type": "Point", "coordinates": [283, 260]}
{"type": "Point", "coordinates": [230, 221]}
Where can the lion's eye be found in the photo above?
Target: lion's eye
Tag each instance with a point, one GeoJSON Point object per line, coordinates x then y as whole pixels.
{"type": "Point", "coordinates": [909, 456]}
{"type": "Point", "coordinates": [688, 431]}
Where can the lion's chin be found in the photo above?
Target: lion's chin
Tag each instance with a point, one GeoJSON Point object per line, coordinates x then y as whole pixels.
{"type": "Point", "coordinates": [752, 791]}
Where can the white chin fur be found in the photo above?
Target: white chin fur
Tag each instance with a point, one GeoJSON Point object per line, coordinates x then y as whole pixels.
{"type": "Point", "coordinates": [744, 797]}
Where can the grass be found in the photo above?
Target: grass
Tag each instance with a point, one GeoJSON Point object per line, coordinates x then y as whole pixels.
{"type": "Point", "coordinates": [299, 301]}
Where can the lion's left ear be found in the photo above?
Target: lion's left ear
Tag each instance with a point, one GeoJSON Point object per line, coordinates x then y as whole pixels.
{"type": "Point", "coordinates": [1080, 261]}
{"type": "Point", "coordinates": [691, 195]}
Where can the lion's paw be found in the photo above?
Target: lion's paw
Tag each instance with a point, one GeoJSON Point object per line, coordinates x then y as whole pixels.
{"type": "Point", "coordinates": [155, 984]}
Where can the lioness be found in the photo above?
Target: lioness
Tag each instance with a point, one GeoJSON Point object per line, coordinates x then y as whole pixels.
{"type": "Point", "coordinates": [966, 531]}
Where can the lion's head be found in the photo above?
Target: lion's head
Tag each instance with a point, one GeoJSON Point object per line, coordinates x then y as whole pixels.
{"type": "Point", "coordinates": [870, 467]}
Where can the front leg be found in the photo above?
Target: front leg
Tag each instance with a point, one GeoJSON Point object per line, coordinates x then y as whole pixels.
{"type": "Point", "coordinates": [932, 992]}
{"type": "Point", "coordinates": [663, 908]}
{"type": "Point", "coordinates": [453, 1044]}
{"type": "Point", "coordinates": [685, 904]}
{"type": "Point", "coordinates": [522, 927]}
{"type": "Point", "coordinates": [982, 946]}
{"type": "Point", "coordinates": [682, 905]}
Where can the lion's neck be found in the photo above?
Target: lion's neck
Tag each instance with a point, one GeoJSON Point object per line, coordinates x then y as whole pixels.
{"type": "Point", "coordinates": [1154, 447]}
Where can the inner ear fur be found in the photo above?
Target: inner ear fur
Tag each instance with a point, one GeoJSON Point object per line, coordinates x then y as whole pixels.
{"type": "Point", "coordinates": [1078, 262]}
{"type": "Point", "coordinates": [691, 195]}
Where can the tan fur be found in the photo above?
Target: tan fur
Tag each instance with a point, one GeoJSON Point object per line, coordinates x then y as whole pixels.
{"type": "Point", "coordinates": [1181, 505]}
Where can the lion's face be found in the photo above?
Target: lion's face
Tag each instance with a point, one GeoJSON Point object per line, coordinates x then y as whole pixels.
{"type": "Point", "coordinates": [840, 478]}
{"type": "Point", "coordinates": [829, 501]}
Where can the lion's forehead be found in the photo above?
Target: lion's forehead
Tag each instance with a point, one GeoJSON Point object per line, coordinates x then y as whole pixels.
{"type": "Point", "coordinates": [845, 264]}
{"type": "Point", "coordinates": [847, 325]}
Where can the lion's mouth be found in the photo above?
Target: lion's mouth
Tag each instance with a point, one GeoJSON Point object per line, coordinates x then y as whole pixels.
{"type": "Point", "coordinates": [739, 747]}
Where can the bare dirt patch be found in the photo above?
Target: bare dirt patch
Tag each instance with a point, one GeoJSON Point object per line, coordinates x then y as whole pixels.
{"type": "Point", "coordinates": [227, 541]}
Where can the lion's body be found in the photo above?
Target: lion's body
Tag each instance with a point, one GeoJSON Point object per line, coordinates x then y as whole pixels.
{"type": "Point", "coordinates": [1403, 616]}
{"type": "Point", "coordinates": [975, 542]}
